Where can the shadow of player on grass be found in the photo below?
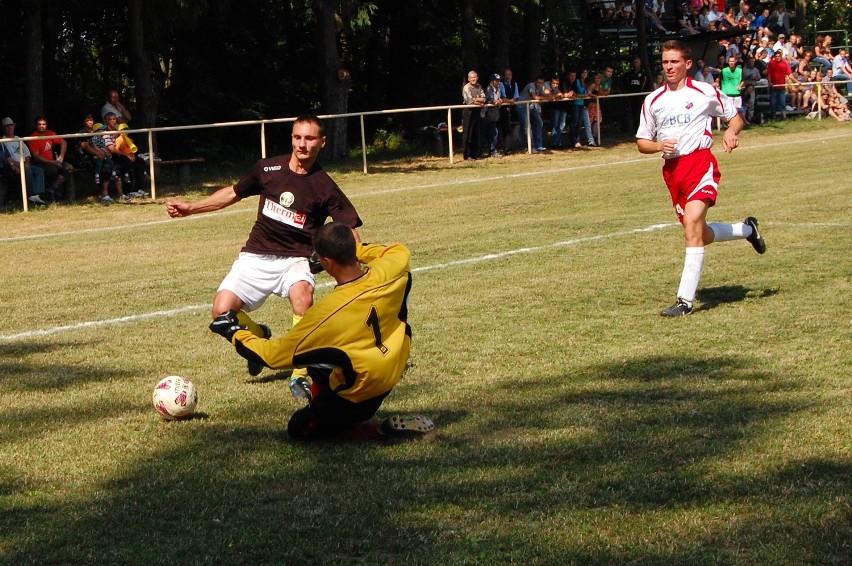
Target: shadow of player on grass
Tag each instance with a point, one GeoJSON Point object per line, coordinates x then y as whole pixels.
{"type": "Point", "coordinates": [712, 297]}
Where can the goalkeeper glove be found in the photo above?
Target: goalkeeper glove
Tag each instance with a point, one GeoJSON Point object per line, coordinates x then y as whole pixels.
{"type": "Point", "coordinates": [226, 325]}
{"type": "Point", "coordinates": [314, 263]}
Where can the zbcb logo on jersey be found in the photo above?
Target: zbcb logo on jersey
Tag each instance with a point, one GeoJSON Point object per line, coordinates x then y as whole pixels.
{"type": "Point", "coordinates": [678, 120]}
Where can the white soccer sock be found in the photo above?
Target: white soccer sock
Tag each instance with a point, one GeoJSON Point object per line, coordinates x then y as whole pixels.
{"type": "Point", "coordinates": [692, 265]}
{"type": "Point", "coordinates": [727, 232]}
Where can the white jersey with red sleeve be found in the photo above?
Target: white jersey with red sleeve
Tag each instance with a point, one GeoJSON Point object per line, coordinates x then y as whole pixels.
{"type": "Point", "coordinates": [685, 114]}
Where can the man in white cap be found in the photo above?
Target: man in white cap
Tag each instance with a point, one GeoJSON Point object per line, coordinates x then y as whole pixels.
{"type": "Point", "coordinates": [12, 152]}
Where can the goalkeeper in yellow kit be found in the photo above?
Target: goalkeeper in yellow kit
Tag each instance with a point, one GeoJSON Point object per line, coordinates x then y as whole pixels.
{"type": "Point", "coordinates": [354, 341]}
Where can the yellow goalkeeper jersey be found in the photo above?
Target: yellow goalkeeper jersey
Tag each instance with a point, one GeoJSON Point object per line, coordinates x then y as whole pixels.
{"type": "Point", "coordinates": [359, 331]}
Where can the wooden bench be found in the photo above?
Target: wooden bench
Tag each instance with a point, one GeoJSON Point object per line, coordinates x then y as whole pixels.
{"type": "Point", "coordinates": [183, 167]}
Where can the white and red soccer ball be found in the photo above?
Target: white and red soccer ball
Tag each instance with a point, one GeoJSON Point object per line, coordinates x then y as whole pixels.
{"type": "Point", "coordinates": [175, 397]}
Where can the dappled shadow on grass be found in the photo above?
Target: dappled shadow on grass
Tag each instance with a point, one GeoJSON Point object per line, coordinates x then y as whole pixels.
{"type": "Point", "coordinates": [26, 375]}
{"type": "Point", "coordinates": [614, 446]}
{"type": "Point", "coordinates": [712, 297]}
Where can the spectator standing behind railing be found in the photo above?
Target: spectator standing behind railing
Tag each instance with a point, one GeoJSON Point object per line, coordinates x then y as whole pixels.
{"type": "Point", "coordinates": [559, 112]}
{"type": "Point", "coordinates": [732, 84]}
{"type": "Point", "coordinates": [533, 91]}
{"type": "Point", "coordinates": [48, 153]}
{"type": "Point", "coordinates": [636, 81]}
{"type": "Point", "coordinates": [510, 93]}
{"type": "Point", "coordinates": [493, 95]}
{"type": "Point", "coordinates": [779, 20]}
{"type": "Point", "coordinates": [580, 121]}
{"type": "Point", "coordinates": [472, 95]}
{"type": "Point", "coordinates": [777, 73]}
{"type": "Point", "coordinates": [12, 158]}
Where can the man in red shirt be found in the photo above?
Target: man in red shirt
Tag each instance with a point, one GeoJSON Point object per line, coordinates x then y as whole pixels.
{"type": "Point", "coordinates": [49, 154]}
{"type": "Point", "coordinates": [777, 72]}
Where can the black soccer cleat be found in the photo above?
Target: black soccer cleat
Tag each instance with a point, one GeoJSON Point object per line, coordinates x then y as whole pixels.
{"type": "Point", "coordinates": [680, 308]}
{"type": "Point", "coordinates": [254, 368]}
{"type": "Point", "coordinates": [756, 240]}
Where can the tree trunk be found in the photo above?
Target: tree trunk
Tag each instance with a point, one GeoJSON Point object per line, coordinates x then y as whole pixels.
{"type": "Point", "coordinates": [499, 36]}
{"type": "Point", "coordinates": [532, 39]}
{"type": "Point", "coordinates": [34, 68]}
{"type": "Point", "coordinates": [642, 38]}
{"type": "Point", "coordinates": [801, 10]}
{"type": "Point", "coordinates": [141, 67]}
{"type": "Point", "coordinates": [470, 60]}
{"type": "Point", "coordinates": [335, 77]}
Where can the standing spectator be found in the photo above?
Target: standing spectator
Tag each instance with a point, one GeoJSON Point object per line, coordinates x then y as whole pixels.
{"type": "Point", "coordinates": [353, 365]}
{"type": "Point", "coordinates": [296, 198]}
{"type": "Point", "coordinates": [493, 95]}
{"type": "Point", "coordinates": [472, 95]}
{"type": "Point", "coordinates": [48, 153]}
{"type": "Point", "coordinates": [777, 72]}
{"type": "Point", "coordinates": [675, 122]}
{"type": "Point", "coordinates": [606, 82]}
{"type": "Point", "coordinates": [732, 84]}
{"type": "Point", "coordinates": [779, 20]}
{"type": "Point", "coordinates": [595, 114]}
{"type": "Point", "coordinates": [102, 163]}
{"type": "Point", "coordinates": [580, 121]}
{"type": "Point", "coordinates": [751, 78]}
{"type": "Point", "coordinates": [12, 153]}
{"type": "Point", "coordinates": [534, 92]}
{"type": "Point", "coordinates": [113, 104]}
{"type": "Point", "coordinates": [637, 81]}
{"type": "Point", "coordinates": [559, 113]}
{"type": "Point", "coordinates": [511, 93]}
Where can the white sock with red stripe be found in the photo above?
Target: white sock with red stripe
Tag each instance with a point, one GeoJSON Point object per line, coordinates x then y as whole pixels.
{"type": "Point", "coordinates": [692, 265]}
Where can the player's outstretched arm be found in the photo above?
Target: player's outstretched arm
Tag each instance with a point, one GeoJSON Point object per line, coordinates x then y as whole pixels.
{"type": "Point", "coordinates": [222, 198]}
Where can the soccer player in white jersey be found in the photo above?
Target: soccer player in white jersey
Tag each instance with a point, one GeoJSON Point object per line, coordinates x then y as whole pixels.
{"type": "Point", "coordinates": [676, 121]}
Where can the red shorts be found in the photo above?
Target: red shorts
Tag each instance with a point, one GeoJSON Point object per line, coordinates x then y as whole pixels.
{"type": "Point", "coordinates": [694, 176]}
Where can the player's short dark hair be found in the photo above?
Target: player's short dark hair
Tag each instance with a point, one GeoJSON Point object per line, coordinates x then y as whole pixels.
{"type": "Point", "coordinates": [311, 119]}
{"type": "Point", "coordinates": [335, 241]}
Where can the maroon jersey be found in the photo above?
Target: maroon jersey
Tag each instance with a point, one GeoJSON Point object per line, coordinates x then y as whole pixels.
{"type": "Point", "coordinates": [291, 207]}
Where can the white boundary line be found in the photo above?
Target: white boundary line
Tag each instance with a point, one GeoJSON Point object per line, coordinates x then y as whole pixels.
{"type": "Point", "coordinates": [191, 308]}
{"type": "Point", "coordinates": [476, 180]}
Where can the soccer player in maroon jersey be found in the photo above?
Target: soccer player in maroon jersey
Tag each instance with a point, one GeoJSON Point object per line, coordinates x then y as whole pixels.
{"type": "Point", "coordinates": [296, 198]}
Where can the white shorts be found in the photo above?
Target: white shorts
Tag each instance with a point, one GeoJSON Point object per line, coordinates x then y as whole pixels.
{"type": "Point", "coordinates": [254, 277]}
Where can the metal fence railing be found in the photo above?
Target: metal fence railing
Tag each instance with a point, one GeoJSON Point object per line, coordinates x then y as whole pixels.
{"type": "Point", "coordinates": [522, 106]}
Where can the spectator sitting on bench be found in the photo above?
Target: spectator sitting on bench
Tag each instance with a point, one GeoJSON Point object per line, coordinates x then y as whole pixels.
{"type": "Point", "coordinates": [12, 161]}
{"type": "Point", "coordinates": [48, 152]}
{"type": "Point", "coordinates": [104, 168]}
{"type": "Point", "coordinates": [123, 155]}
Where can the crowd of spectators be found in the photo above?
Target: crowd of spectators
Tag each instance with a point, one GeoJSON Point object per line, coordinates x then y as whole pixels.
{"type": "Point", "coordinates": [50, 161]}
{"type": "Point", "coordinates": [568, 104]}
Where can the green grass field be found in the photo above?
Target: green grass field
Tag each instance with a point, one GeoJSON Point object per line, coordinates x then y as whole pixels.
{"type": "Point", "coordinates": [576, 425]}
